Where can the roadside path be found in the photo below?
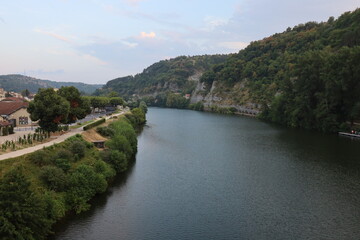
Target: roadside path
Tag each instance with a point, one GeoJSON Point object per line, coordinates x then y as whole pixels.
{"type": "Point", "coordinates": [59, 139]}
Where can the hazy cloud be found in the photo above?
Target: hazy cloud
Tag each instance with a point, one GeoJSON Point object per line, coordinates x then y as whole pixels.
{"type": "Point", "coordinates": [147, 35]}
{"type": "Point", "coordinates": [133, 2]}
{"type": "Point", "coordinates": [40, 72]}
{"type": "Point", "coordinates": [234, 45]}
{"type": "Point", "coordinates": [54, 35]}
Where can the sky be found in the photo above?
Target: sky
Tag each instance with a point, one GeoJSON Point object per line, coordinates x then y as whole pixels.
{"type": "Point", "coordinates": [94, 41]}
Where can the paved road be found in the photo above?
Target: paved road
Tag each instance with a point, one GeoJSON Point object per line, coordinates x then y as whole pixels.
{"type": "Point", "coordinates": [55, 141]}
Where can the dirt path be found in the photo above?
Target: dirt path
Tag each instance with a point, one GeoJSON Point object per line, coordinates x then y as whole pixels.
{"type": "Point", "coordinates": [59, 139]}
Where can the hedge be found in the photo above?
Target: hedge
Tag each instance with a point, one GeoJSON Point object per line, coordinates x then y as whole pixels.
{"type": "Point", "coordinates": [94, 124]}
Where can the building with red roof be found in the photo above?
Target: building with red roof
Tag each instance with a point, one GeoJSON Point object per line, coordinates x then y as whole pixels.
{"type": "Point", "coordinates": [15, 111]}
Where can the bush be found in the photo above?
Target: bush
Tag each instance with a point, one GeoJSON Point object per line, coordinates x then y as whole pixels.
{"type": "Point", "coordinates": [121, 144]}
{"type": "Point", "coordinates": [104, 169]}
{"type": "Point", "coordinates": [40, 158]}
{"type": "Point", "coordinates": [105, 131]}
{"type": "Point", "coordinates": [65, 154]}
{"type": "Point", "coordinates": [54, 178]}
{"type": "Point", "coordinates": [94, 124]}
{"type": "Point", "coordinates": [78, 148]}
{"type": "Point", "coordinates": [63, 163]}
{"type": "Point", "coordinates": [84, 183]}
{"type": "Point", "coordinates": [116, 159]}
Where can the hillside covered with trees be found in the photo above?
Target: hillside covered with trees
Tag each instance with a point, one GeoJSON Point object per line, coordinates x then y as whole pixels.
{"type": "Point", "coordinates": [307, 76]}
{"type": "Point", "coordinates": [174, 75]}
{"type": "Point", "coordinates": [18, 83]}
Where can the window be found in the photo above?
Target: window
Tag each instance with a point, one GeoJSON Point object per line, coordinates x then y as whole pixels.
{"type": "Point", "coordinates": [23, 120]}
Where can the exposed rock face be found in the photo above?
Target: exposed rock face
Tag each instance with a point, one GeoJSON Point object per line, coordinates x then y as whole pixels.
{"type": "Point", "coordinates": [211, 98]}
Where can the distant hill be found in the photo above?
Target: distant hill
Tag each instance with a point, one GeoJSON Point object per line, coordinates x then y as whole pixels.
{"type": "Point", "coordinates": [179, 75]}
{"type": "Point", "coordinates": [18, 83]}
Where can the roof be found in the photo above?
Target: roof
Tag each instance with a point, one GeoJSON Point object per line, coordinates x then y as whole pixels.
{"type": "Point", "coordinates": [12, 99]}
{"type": "Point", "coordinates": [7, 108]}
{"type": "Point", "coordinates": [4, 123]}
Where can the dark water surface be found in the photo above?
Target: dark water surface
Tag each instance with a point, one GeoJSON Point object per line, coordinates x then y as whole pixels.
{"type": "Point", "coordinates": [207, 176]}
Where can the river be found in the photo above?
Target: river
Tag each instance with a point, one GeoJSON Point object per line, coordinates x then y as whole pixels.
{"type": "Point", "coordinates": [208, 176]}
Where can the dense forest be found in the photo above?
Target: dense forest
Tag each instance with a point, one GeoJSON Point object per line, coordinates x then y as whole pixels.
{"type": "Point", "coordinates": [167, 75]}
{"type": "Point", "coordinates": [18, 83]}
{"type": "Point", "coordinates": [307, 76]}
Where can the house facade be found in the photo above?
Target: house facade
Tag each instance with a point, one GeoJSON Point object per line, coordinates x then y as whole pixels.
{"type": "Point", "coordinates": [15, 112]}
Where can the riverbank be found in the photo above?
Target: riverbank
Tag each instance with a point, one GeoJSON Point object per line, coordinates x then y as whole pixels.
{"type": "Point", "coordinates": [40, 188]}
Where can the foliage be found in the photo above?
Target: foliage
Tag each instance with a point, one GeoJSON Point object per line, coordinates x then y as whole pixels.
{"type": "Point", "coordinates": [143, 106]}
{"type": "Point", "coordinates": [55, 184]}
{"type": "Point", "coordinates": [104, 101]}
{"type": "Point", "coordinates": [22, 213]}
{"type": "Point", "coordinates": [18, 83]}
{"type": "Point", "coordinates": [40, 158]}
{"type": "Point", "coordinates": [116, 159]}
{"type": "Point", "coordinates": [54, 178]}
{"type": "Point", "coordinates": [167, 75]}
{"type": "Point", "coordinates": [306, 77]}
{"type": "Point", "coordinates": [176, 101]}
{"type": "Point", "coordinates": [49, 108]}
{"type": "Point", "coordinates": [105, 131]}
{"type": "Point", "coordinates": [84, 183]}
{"type": "Point", "coordinates": [137, 117]}
{"type": "Point", "coordinates": [94, 124]}
{"type": "Point", "coordinates": [197, 106]}
{"type": "Point", "coordinates": [78, 148]}
{"type": "Point", "coordinates": [79, 107]}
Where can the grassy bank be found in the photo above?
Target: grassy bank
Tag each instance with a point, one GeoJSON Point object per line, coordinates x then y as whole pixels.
{"type": "Point", "coordinates": [40, 188]}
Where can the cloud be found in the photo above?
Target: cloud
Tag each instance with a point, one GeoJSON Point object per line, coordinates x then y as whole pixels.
{"type": "Point", "coordinates": [93, 59]}
{"type": "Point", "coordinates": [166, 19]}
{"type": "Point", "coordinates": [54, 35]}
{"type": "Point", "coordinates": [213, 22]}
{"type": "Point", "coordinates": [147, 35]}
{"type": "Point", "coordinates": [133, 2]}
{"type": "Point", "coordinates": [2, 20]}
{"type": "Point", "coordinates": [45, 72]}
{"type": "Point", "coordinates": [234, 45]}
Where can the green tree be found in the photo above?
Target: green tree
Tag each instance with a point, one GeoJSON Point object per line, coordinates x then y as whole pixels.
{"type": "Point", "coordinates": [79, 107]}
{"type": "Point", "coordinates": [49, 108]}
{"type": "Point", "coordinates": [22, 213]}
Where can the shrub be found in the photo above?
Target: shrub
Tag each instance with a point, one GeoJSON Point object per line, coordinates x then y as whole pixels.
{"type": "Point", "coordinates": [84, 183]}
{"type": "Point", "coordinates": [104, 169]}
{"type": "Point", "coordinates": [94, 124]}
{"type": "Point", "coordinates": [65, 154]}
{"type": "Point", "coordinates": [105, 131]}
{"type": "Point", "coordinates": [116, 159]}
{"type": "Point", "coordinates": [40, 158]}
{"type": "Point", "coordinates": [63, 163]}
{"type": "Point", "coordinates": [54, 178]}
{"type": "Point", "coordinates": [78, 148]}
{"type": "Point", "coordinates": [121, 144]}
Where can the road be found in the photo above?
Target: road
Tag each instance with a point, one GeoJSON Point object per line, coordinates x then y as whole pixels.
{"type": "Point", "coordinates": [59, 139]}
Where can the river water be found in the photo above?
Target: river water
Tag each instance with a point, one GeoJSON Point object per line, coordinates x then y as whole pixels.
{"type": "Point", "coordinates": [207, 176]}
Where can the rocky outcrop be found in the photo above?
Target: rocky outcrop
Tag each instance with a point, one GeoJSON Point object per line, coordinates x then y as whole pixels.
{"type": "Point", "coordinates": [213, 98]}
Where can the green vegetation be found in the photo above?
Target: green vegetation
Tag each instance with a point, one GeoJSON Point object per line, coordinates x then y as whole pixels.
{"type": "Point", "coordinates": [52, 108]}
{"type": "Point", "coordinates": [104, 101]}
{"type": "Point", "coordinates": [40, 188]}
{"type": "Point", "coordinates": [167, 75]}
{"type": "Point", "coordinates": [94, 124]}
{"type": "Point", "coordinates": [19, 83]}
{"type": "Point", "coordinates": [307, 76]}
{"type": "Point", "coordinates": [79, 106]}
